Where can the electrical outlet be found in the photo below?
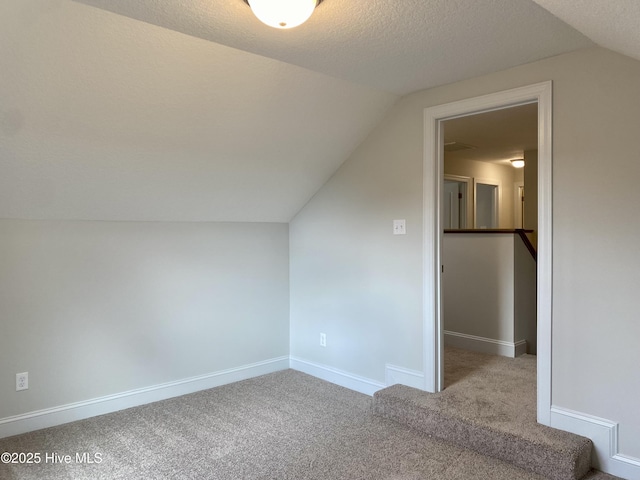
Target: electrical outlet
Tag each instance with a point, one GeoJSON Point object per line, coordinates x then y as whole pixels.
{"type": "Point", "coordinates": [323, 339]}
{"type": "Point", "coordinates": [22, 381]}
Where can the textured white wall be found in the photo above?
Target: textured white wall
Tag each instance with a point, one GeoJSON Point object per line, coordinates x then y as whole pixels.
{"type": "Point", "coordinates": [97, 308]}
{"type": "Point", "coordinates": [349, 274]}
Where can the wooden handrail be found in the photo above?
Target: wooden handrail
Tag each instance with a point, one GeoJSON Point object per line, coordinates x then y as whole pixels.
{"type": "Point", "coordinates": [527, 242]}
{"type": "Point", "coordinates": [486, 230]}
{"type": "Point", "coordinates": [520, 231]}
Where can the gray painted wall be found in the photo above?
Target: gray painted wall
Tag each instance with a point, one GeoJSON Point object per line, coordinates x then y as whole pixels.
{"type": "Point", "coordinates": [351, 278]}
{"type": "Point", "coordinates": [96, 308]}
{"type": "Point", "coordinates": [478, 295]}
{"type": "Point", "coordinates": [531, 194]}
{"type": "Point", "coordinates": [525, 305]}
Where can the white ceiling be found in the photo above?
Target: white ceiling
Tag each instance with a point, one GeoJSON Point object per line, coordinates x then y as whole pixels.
{"type": "Point", "coordinates": [613, 24]}
{"type": "Point", "coordinates": [496, 137]}
{"type": "Point", "coordinates": [108, 118]}
{"type": "Point", "coordinates": [398, 46]}
{"type": "Point", "coordinates": [192, 110]}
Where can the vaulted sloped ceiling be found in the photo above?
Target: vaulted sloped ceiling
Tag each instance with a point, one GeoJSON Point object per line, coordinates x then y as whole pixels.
{"type": "Point", "coordinates": [398, 46]}
{"type": "Point", "coordinates": [108, 118]}
{"type": "Point", "coordinates": [192, 110]}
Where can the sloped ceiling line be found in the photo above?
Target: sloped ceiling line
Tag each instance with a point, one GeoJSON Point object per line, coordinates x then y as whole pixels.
{"type": "Point", "coordinates": [192, 110]}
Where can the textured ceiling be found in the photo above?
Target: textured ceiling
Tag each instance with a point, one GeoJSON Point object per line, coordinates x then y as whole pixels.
{"type": "Point", "coordinates": [399, 46]}
{"type": "Point", "coordinates": [497, 136]}
{"type": "Point", "coordinates": [104, 117]}
{"type": "Point", "coordinates": [613, 24]}
{"type": "Point", "coordinates": [192, 110]}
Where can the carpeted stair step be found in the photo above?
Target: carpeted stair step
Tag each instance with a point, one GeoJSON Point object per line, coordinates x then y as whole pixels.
{"type": "Point", "coordinates": [552, 453]}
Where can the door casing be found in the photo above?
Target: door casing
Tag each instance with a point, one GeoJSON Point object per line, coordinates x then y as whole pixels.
{"type": "Point", "coordinates": [433, 338]}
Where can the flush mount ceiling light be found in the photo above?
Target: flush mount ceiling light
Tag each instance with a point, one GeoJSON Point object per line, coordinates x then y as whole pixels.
{"type": "Point", "coordinates": [518, 162]}
{"type": "Point", "coordinates": [283, 13]}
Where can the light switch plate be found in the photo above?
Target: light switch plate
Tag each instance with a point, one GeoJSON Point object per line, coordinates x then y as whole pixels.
{"type": "Point", "coordinates": [399, 227]}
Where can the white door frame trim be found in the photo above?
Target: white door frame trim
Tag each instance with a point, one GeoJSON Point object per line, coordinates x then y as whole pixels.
{"type": "Point", "coordinates": [541, 94]}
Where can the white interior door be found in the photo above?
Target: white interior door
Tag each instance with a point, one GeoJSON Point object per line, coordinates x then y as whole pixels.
{"type": "Point", "coordinates": [456, 202]}
{"type": "Point", "coordinates": [452, 205]}
{"type": "Point", "coordinates": [487, 197]}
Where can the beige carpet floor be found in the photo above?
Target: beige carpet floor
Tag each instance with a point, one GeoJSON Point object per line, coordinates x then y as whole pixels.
{"type": "Point", "coordinates": [489, 406]}
{"type": "Point", "coordinates": [285, 425]}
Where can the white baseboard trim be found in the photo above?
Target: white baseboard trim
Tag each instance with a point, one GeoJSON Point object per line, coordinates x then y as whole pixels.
{"type": "Point", "coordinates": [334, 375]}
{"type": "Point", "coordinates": [604, 435]}
{"type": "Point", "coordinates": [404, 376]}
{"type": "Point", "coordinates": [50, 417]}
{"type": "Point", "coordinates": [484, 345]}
{"type": "Point", "coordinates": [520, 348]}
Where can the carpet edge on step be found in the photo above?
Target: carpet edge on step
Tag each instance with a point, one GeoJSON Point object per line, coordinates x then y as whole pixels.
{"type": "Point", "coordinates": [569, 463]}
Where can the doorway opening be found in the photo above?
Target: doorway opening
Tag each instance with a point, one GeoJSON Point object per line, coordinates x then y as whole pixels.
{"type": "Point", "coordinates": [457, 203]}
{"type": "Point", "coordinates": [539, 94]}
{"type": "Point", "coordinates": [486, 200]}
{"type": "Point", "coordinates": [489, 277]}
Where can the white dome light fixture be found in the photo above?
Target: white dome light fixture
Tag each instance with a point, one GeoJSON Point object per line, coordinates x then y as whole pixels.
{"type": "Point", "coordinates": [283, 13]}
{"type": "Point", "coordinates": [518, 162]}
